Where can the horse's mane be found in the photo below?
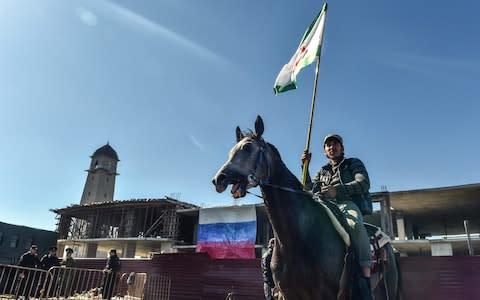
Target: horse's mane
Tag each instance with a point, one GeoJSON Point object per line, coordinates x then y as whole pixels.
{"type": "Point", "coordinates": [277, 158]}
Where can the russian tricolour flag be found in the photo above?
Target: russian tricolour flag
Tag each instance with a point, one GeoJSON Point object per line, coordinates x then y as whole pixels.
{"type": "Point", "coordinates": [227, 232]}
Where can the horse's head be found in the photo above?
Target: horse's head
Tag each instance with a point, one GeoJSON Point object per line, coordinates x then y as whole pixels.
{"type": "Point", "coordinates": [246, 165]}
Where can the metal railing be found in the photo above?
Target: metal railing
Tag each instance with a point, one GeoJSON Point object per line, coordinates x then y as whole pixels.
{"type": "Point", "coordinates": [74, 283]}
{"type": "Point", "coordinates": [79, 283]}
{"type": "Point", "coordinates": [20, 282]}
{"type": "Point", "coordinates": [157, 287]}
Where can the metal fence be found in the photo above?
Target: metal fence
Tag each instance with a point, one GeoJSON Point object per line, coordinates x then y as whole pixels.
{"type": "Point", "coordinates": [74, 283]}
{"type": "Point", "coordinates": [157, 287]}
{"type": "Point", "coordinates": [145, 286]}
{"type": "Point", "coordinates": [20, 282]}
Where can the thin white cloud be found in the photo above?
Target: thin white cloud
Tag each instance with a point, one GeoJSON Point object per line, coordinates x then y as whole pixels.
{"type": "Point", "coordinates": [143, 23]}
{"type": "Point", "coordinates": [86, 16]}
{"type": "Point", "coordinates": [197, 143]}
{"type": "Point", "coordinates": [431, 65]}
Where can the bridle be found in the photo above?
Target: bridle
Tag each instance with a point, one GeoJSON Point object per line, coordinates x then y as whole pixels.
{"type": "Point", "coordinates": [253, 179]}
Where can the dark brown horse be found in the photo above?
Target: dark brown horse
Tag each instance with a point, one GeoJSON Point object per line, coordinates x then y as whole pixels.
{"type": "Point", "coordinates": [308, 256]}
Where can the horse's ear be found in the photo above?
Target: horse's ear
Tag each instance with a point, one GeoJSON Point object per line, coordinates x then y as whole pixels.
{"type": "Point", "coordinates": [239, 134]}
{"type": "Point", "coordinates": [259, 126]}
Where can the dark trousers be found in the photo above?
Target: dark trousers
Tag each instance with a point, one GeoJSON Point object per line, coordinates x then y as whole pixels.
{"type": "Point", "coordinates": [27, 286]}
{"type": "Point", "coordinates": [109, 282]}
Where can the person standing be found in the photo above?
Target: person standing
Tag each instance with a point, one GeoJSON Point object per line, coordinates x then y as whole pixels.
{"type": "Point", "coordinates": [268, 283]}
{"type": "Point", "coordinates": [48, 261]}
{"type": "Point", "coordinates": [345, 182]}
{"type": "Point", "coordinates": [110, 274]}
{"type": "Point", "coordinates": [67, 278]}
{"type": "Point", "coordinates": [28, 277]}
{"type": "Point", "coordinates": [69, 261]}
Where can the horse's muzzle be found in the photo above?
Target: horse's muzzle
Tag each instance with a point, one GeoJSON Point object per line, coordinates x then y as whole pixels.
{"type": "Point", "coordinates": [220, 182]}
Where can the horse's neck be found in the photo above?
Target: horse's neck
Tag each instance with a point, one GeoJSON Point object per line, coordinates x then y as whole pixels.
{"type": "Point", "coordinates": [288, 210]}
{"type": "Point", "coordinates": [306, 241]}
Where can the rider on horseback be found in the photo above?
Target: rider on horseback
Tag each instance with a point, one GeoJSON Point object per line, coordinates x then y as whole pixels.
{"type": "Point", "coordinates": [345, 182]}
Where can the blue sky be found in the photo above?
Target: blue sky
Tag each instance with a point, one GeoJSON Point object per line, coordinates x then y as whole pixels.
{"type": "Point", "coordinates": [166, 82]}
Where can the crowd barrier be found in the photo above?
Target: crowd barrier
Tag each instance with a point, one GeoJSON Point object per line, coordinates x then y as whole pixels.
{"type": "Point", "coordinates": [74, 283]}
{"type": "Point", "coordinates": [157, 287]}
{"type": "Point", "coordinates": [17, 282]}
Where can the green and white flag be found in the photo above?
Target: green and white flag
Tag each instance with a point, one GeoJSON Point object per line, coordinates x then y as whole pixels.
{"type": "Point", "coordinates": [308, 49]}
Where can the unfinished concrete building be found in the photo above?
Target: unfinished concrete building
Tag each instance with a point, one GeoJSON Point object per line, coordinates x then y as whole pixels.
{"type": "Point", "coordinates": [136, 228]}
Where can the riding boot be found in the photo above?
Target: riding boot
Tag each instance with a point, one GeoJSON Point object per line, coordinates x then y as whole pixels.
{"type": "Point", "coordinates": [365, 288]}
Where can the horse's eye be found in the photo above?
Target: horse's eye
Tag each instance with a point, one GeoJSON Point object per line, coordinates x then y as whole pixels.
{"type": "Point", "coordinates": [247, 147]}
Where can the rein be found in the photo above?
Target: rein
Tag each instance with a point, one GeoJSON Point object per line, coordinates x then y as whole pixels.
{"type": "Point", "coordinates": [283, 188]}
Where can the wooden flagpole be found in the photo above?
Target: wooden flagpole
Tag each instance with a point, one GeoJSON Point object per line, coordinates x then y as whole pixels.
{"type": "Point", "coordinates": [310, 123]}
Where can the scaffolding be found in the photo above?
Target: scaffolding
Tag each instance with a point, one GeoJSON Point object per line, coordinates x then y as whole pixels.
{"type": "Point", "coordinates": [121, 219]}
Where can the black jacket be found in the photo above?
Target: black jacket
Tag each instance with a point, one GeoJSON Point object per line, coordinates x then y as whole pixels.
{"type": "Point", "coordinates": [29, 260]}
{"type": "Point", "coordinates": [113, 264]}
{"type": "Point", "coordinates": [267, 272]}
{"type": "Point", "coordinates": [49, 261]}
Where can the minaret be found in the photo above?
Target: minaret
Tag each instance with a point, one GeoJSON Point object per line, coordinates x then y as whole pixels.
{"type": "Point", "coordinates": [100, 183]}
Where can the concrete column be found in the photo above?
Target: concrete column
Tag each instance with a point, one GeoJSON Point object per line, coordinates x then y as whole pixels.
{"type": "Point", "coordinates": [386, 215]}
{"type": "Point", "coordinates": [92, 250]}
{"type": "Point", "coordinates": [90, 232]}
{"type": "Point", "coordinates": [130, 218]}
{"type": "Point", "coordinates": [400, 226]}
{"type": "Point", "coordinates": [442, 249]}
{"type": "Point", "coordinates": [129, 250]}
{"type": "Point", "coordinates": [167, 247]}
{"type": "Point", "coordinates": [60, 250]}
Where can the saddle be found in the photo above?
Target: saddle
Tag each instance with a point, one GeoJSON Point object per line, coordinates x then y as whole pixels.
{"type": "Point", "coordinates": [378, 239]}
